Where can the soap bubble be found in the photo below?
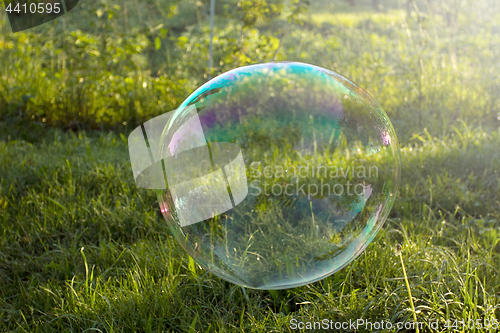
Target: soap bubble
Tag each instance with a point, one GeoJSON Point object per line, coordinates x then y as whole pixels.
{"type": "Point", "coordinates": [277, 175]}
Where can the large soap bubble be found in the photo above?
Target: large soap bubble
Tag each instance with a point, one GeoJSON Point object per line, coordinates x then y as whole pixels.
{"type": "Point", "coordinates": [277, 175]}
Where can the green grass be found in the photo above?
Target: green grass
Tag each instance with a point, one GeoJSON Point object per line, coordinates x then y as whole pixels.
{"type": "Point", "coordinates": [82, 248]}
{"type": "Point", "coordinates": [354, 19]}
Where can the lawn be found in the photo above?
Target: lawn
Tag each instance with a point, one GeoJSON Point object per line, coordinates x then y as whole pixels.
{"type": "Point", "coordinates": [82, 248]}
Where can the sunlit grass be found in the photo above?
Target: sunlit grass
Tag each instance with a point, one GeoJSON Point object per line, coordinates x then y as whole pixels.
{"type": "Point", "coordinates": [353, 19]}
{"type": "Point", "coordinates": [82, 247]}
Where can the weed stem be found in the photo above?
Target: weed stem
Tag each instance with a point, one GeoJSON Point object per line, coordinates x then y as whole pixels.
{"type": "Point", "coordinates": [409, 292]}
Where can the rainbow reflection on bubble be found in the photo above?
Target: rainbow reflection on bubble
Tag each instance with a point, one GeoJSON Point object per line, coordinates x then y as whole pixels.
{"type": "Point", "coordinates": [278, 174]}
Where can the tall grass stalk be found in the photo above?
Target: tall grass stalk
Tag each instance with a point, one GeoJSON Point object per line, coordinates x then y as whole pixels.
{"type": "Point", "coordinates": [400, 254]}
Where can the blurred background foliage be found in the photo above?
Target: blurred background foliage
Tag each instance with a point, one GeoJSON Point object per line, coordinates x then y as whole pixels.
{"type": "Point", "coordinates": [114, 65]}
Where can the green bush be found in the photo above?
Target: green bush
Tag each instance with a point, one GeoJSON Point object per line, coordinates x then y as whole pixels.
{"type": "Point", "coordinates": [107, 65]}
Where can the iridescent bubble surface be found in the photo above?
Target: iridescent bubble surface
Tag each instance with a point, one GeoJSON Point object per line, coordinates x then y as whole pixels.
{"type": "Point", "coordinates": [277, 175]}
